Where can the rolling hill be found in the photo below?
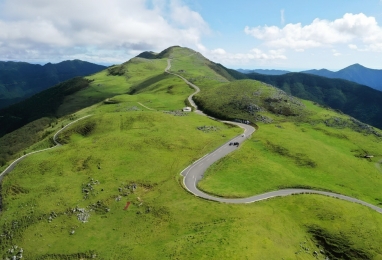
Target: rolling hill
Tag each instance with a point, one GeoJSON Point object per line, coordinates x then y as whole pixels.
{"type": "Point", "coordinates": [361, 102]}
{"type": "Point", "coordinates": [20, 80]}
{"type": "Point", "coordinates": [114, 190]}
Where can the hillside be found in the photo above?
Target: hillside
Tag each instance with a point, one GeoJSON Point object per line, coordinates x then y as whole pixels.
{"type": "Point", "coordinates": [43, 104]}
{"type": "Point", "coordinates": [359, 101]}
{"type": "Point", "coordinates": [20, 80]}
{"type": "Point", "coordinates": [116, 180]}
{"type": "Point", "coordinates": [356, 73]}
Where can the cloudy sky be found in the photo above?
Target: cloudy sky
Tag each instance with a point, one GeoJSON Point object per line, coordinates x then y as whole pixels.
{"type": "Point", "coordinates": [279, 34]}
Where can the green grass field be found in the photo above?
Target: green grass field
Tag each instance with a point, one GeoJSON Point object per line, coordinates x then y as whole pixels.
{"type": "Point", "coordinates": [124, 144]}
{"type": "Point", "coordinates": [299, 156]}
{"type": "Point", "coordinates": [150, 149]}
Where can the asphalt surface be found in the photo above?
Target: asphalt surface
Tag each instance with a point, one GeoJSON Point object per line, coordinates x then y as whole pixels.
{"type": "Point", "coordinates": [15, 162]}
{"type": "Point", "coordinates": [195, 172]}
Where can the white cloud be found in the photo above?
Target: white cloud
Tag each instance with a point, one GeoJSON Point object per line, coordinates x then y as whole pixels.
{"type": "Point", "coordinates": [321, 33]}
{"type": "Point", "coordinates": [336, 53]}
{"type": "Point", "coordinates": [105, 30]}
{"type": "Point", "coordinates": [219, 51]}
{"type": "Point", "coordinates": [222, 56]}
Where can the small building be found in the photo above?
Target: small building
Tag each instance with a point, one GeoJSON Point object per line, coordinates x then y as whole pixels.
{"type": "Point", "coordinates": [187, 109]}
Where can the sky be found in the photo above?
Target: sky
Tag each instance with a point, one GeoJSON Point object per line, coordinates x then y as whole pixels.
{"type": "Point", "coordinates": [291, 35]}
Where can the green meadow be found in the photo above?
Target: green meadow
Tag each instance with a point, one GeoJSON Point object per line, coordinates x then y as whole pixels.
{"type": "Point", "coordinates": [71, 202]}
{"type": "Point", "coordinates": [287, 155]}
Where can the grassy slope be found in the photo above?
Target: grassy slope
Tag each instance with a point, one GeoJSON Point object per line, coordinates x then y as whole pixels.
{"type": "Point", "coordinates": [279, 158]}
{"type": "Point", "coordinates": [150, 148]}
{"type": "Point", "coordinates": [19, 80]}
{"type": "Point", "coordinates": [127, 146]}
{"type": "Point", "coordinates": [293, 151]}
{"type": "Point", "coordinates": [75, 94]}
{"type": "Point", "coordinates": [359, 101]}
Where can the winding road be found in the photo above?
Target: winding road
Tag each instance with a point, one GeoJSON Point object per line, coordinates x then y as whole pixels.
{"type": "Point", "coordinates": [195, 172]}
{"type": "Point", "coordinates": [15, 162]}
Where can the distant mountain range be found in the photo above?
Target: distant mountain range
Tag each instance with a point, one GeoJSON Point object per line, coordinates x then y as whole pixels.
{"type": "Point", "coordinates": [356, 73]}
{"type": "Point", "coordinates": [20, 80]}
{"type": "Point", "coordinates": [265, 72]}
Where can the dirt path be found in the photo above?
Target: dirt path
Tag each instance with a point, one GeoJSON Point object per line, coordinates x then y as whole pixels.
{"type": "Point", "coordinates": [144, 106]}
{"type": "Point", "coordinates": [15, 162]}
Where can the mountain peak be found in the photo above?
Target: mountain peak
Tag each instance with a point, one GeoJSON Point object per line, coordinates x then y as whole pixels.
{"type": "Point", "coordinates": [356, 66]}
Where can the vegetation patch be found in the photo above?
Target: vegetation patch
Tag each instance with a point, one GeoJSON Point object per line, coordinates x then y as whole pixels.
{"type": "Point", "coordinates": [337, 246]}
{"type": "Point", "coordinates": [118, 70]}
{"type": "Point", "coordinates": [352, 123]}
{"type": "Point", "coordinates": [299, 158]}
{"type": "Point", "coordinates": [176, 113]}
{"type": "Point", "coordinates": [207, 129]}
{"type": "Point", "coordinates": [332, 134]}
{"type": "Point", "coordinates": [15, 189]}
{"type": "Point", "coordinates": [85, 255]}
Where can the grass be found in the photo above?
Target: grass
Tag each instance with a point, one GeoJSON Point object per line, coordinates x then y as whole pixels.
{"type": "Point", "coordinates": [284, 155]}
{"type": "Point", "coordinates": [127, 146]}
{"type": "Point", "coordinates": [268, 161]}
{"type": "Point", "coordinates": [105, 85]}
{"type": "Point", "coordinates": [144, 139]}
{"type": "Point", "coordinates": [197, 69]}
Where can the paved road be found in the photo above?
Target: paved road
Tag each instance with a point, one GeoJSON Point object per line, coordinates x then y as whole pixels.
{"type": "Point", "coordinates": [15, 162]}
{"type": "Point", "coordinates": [195, 172]}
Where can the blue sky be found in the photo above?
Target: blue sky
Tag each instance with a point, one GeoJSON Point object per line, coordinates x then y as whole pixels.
{"type": "Point", "coordinates": [292, 35]}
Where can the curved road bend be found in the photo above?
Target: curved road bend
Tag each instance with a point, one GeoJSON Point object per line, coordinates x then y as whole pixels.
{"type": "Point", "coordinates": [195, 172]}
{"type": "Point", "coordinates": [15, 162]}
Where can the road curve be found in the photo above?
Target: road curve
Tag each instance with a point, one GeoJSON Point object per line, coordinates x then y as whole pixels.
{"type": "Point", "coordinates": [15, 162]}
{"type": "Point", "coordinates": [195, 172]}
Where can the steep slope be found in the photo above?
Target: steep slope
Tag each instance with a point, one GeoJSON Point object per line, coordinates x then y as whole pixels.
{"type": "Point", "coordinates": [356, 73]}
{"type": "Point", "coordinates": [43, 104]}
{"type": "Point", "coordinates": [359, 101]}
{"type": "Point", "coordinates": [19, 80]}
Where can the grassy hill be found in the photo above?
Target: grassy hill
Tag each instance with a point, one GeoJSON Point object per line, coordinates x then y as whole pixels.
{"type": "Point", "coordinates": [68, 202]}
{"type": "Point", "coordinates": [296, 145]}
{"type": "Point", "coordinates": [20, 80]}
{"type": "Point", "coordinates": [351, 98]}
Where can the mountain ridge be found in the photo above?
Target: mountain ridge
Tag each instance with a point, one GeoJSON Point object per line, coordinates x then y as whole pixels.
{"type": "Point", "coordinates": [356, 73]}
{"type": "Point", "coordinates": [20, 80]}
